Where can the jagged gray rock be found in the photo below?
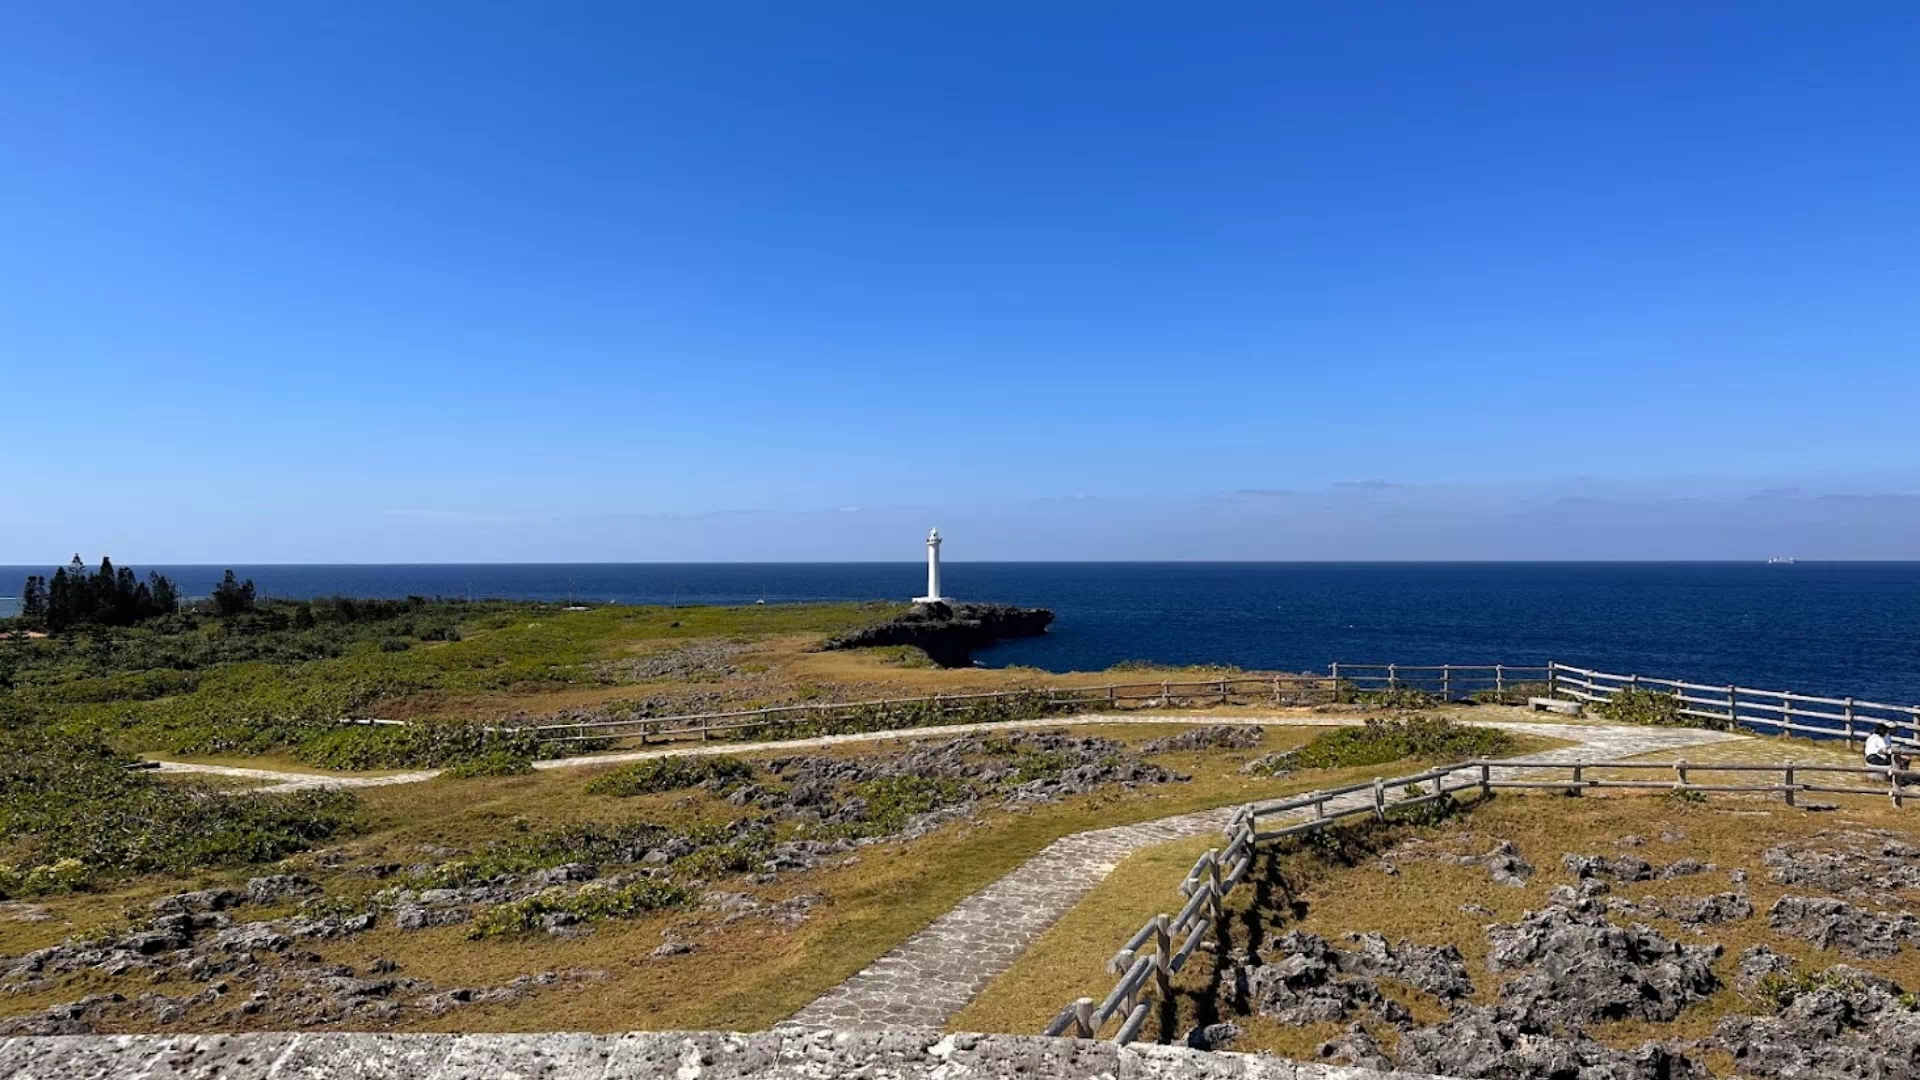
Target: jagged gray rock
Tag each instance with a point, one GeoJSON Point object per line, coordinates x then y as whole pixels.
{"type": "Point", "coordinates": [948, 634]}
{"type": "Point", "coordinates": [1583, 968]}
{"type": "Point", "coordinates": [1211, 737]}
{"type": "Point", "coordinates": [1836, 924]}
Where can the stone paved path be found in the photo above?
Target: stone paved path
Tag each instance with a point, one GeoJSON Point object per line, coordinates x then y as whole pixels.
{"type": "Point", "coordinates": [930, 977]}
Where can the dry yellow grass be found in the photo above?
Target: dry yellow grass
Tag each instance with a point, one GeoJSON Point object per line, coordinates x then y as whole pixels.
{"type": "Point", "coordinates": [1423, 902]}
{"type": "Point", "coordinates": [745, 974]}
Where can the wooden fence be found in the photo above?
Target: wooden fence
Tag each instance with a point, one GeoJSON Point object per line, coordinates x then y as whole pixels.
{"type": "Point", "coordinates": [1157, 952]}
{"type": "Point", "coordinates": [1450, 682]}
{"type": "Point", "coordinates": [1779, 711]}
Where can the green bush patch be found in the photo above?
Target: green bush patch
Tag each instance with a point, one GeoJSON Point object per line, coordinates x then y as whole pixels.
{"type": "Point", "coordinates": [1380, 741]}
{"type": "Point", "coordinates": [66, 800]}
{"type": "Point", "coordinates": [1632, 705]}
{"type": "Point", "coordinates": [424, 745]}
{"type": "Point", "coordinates": [591, 904]}
{"type": "Point", "coordinates": [671, 774]}
{"type": "Point", "coordinates": [491, 763]}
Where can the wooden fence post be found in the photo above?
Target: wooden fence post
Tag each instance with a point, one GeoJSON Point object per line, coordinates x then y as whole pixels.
{"type": "Point", "coordinates": [1223, 691]}
{"type": "Point", "coordinates": [1500, 679]}
{"type": "Point", "coordinates": [1083, 1017]}
{"type": "Point", "coordinates": [1393, 677]}
{"type": "Point", "coordinates": [1786, 715]}
{"type": "Point", "coordinates": [1849, 720]}
{"type": "Point", "coordinates": [1789, 785]}
{"type": "Point", "coordinates": [1166, 693]}
{"type": "Point", "coordinates": [1486, 779]}
{"type": "Point", "coordinates": [1553, 678]}
{"type": "Point", "coordinates": [1446, 682]}
{"type": "Point", "coordinates": [1680, 771]}
{"type": "Point", "coordinates": [1380, 797]}
{"type": "Point", "coordinates": [1335, 668]}
{"type": "Point", "coordinates": [1216, 900]}
{"type": "Point", "coordinates": [1276, 689]}
{"type": "Point", "coordinates": [1733, 706]}
{"type": "Point", "coordinates": [1163, 964]}
{"type": "Point", "coordinates": [1578, 783]}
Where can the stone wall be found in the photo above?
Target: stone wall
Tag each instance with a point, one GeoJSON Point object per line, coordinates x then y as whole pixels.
{"type": "Point", "coordinates": [665, 1055]}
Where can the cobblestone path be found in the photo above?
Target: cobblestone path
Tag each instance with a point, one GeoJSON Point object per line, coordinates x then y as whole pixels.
{"type": "Point", "coordinates": [927, 979]}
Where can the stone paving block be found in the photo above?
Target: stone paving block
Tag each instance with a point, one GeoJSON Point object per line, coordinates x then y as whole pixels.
{"type": "Point", "coordinates": [349, 1056]}
{"type": "Point", "coordinates": [220, 1057]}
{"type": "Point", "coordinates": [86, 1057]}
{"type": "Point", "coordinates": [693, 1055]}
{"type": "Point", "coordinates": [1146, 1061]}
{"type": "Point", "coordinates": [546, 1056]}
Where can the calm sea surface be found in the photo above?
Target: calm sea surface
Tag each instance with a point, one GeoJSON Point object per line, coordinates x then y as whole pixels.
{"type": "Point", "coordinates": [1823, 628]}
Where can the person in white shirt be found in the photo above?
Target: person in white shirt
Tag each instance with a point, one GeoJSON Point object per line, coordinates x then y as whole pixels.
{"type": "Point", "coordinates": [1880, 748]}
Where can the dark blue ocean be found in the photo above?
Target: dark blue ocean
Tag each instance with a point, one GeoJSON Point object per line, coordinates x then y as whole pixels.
{"type": "Point", "coordinates": [1820, 628]}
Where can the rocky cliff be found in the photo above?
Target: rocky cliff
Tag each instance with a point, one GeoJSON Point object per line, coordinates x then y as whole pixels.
{"type": "Point", "coordinates": [949, 633]}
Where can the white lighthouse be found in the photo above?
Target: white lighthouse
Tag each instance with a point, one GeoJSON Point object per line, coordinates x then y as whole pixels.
{"type": "Point", "coordinates": [933, 571]}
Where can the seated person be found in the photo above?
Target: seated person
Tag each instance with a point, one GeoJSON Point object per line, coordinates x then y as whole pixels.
{"type": "Point", "coordinates": [1880, 749]}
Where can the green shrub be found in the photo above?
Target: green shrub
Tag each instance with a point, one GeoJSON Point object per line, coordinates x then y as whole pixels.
{"type": "Point", "coordinates": [65, 875]}
{"type": "Point", "coordinates": [1432, 812]}
{"type": "Point", "coordinates": [427, 744]}
{"type": "Point", "coordinates": [394, 644]}
{"type": "Point", "coordinates": [71, 808]}
{"type": "Point", "coordinates": [900, 716]}
{"type": "Point", "coordinates": [1632, 705]}
{"type": "Point", "coordinates": [590, 904]}
{"type": "Point", "coordinates": [491, 763]}
{"type": "Point", "coordinates": [1399, 697]}
{"type": "Point", "coordinates": [1512, 694]}
{"type": "Point", "coordinates": [671, 774]}
{"type": "Point", "coordinates": [1378, 742]}
{"type": "Point", "coordinates": [891, 800]}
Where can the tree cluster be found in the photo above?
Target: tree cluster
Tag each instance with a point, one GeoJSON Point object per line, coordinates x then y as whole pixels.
{"type": "Point", "coordinates": [105, 597]}
{"type": "Point", "coordinates": [232, 597]}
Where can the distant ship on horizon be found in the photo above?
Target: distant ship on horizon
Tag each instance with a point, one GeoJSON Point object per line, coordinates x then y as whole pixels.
{"type": "Point", "coordinates": [1782, 560]}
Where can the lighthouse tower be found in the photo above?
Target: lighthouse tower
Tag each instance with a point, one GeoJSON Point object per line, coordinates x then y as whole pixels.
{"type": "Point", "coordinates": [933, 571]}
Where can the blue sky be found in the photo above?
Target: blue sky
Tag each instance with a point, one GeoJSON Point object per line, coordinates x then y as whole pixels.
{"type": "Point", "coordinates": [473, 281]}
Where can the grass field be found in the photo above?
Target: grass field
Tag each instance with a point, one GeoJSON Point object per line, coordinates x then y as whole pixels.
{"type": "Point", "coordinates": [745, 973]}
{"type": "Point", "coordinates": [1423, 902]}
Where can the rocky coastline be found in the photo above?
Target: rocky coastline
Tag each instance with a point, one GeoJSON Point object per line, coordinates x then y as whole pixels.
{"type": "Point", "coordinates": [949, 633]}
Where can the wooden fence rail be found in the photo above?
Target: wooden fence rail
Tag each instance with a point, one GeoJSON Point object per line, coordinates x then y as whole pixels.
{"type": "Point", "coordinates": [1780, 711]}
{"type": "Point", "coordinates": [1450, 682]}
{"type": "Point", "coordinates": [1157, 952]}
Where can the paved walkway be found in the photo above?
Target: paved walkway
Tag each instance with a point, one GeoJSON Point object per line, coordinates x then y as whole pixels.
{"type": "Point", "coordinates": [287, 780]}
{"type": "Point", "coordinates": [927, 979]}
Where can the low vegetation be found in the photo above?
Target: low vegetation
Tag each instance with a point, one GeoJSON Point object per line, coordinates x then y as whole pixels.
{"type": "Point", "coordinates": [1632, 705]}
{"type": "Point", "coordinates": [1378, 741]}
{"type": "Point", "coordinates": [588, 905]}
{"type": "Point", "coordinates": [276, 676]}
{"type": "Point", "coordinates": [500, 762]}
{"type": "Point", "coordinates": [1403, 698]}
{"type": "Point", "coordinates": [1511, 694]}
{"type": "Point", "coordinates": [903, 715]}
{"type": "Point", "coordinates": [427, 744]}
{"type": "Point", "coordinates": [672, 774]}
{"type": "Point", "coordinates": [72, 813]}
